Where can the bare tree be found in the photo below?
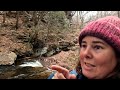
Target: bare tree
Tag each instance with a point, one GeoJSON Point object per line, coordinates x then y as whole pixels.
{"type": "Point", "coordinates": [118, 12]}
{"type": "Point", "coordinates": [82, 15]}
{"type": "Point", "coordinates": [4, 16]}
{"type": "Point", "coordinates": [17, 19]}
{"type": "Point", "coordinates": [70, 14]}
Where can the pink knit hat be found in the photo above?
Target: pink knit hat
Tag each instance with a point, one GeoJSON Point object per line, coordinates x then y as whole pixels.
{"type": "Point", "coordinates": [107, 29]}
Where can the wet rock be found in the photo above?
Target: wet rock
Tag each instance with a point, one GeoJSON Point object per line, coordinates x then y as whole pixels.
{"type": "Point", "coordinates": [65, 45]}
{"type": "Point", "coordinates": [31, 73]}
{"type": "Point", "coordinates": [27, 70]}
{"type": "Point", "coordinates": [6, 71]}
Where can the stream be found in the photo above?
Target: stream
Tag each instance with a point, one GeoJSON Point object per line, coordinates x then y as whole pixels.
{"type": "Point", "coordinates": [26, 70]}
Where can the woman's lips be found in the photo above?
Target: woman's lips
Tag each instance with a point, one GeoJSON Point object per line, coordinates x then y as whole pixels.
{"type": "Point", "coordinates": [88, 66]}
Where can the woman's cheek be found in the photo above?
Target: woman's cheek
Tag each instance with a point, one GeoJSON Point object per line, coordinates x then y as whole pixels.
{"type": "Point", "coordinates": [81, 56]}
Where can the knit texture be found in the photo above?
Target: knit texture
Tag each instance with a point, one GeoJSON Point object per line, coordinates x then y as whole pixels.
{"type": "Point", "coordinates": [107, 29]}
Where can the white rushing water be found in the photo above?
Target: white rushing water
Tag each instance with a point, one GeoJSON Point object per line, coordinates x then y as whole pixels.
{"type": "Point", "coordinates": [32, 64]}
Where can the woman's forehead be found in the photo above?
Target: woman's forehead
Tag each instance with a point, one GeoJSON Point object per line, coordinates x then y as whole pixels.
{"type": "Point", "coordinates": [92, 38]}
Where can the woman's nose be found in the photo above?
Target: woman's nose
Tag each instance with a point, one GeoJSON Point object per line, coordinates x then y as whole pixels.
{"type": "Point", "coordinates": [87, 52]}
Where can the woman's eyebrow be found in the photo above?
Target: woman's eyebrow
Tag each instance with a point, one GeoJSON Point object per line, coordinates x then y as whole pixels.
{"type": "Point", "coordinates": [94, 42]}
{"type": "Point", "coordinates": [83, 42]}
{"type": "Point", "coordinates": [98, 42]}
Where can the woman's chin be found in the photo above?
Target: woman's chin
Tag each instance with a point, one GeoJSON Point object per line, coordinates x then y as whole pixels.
{"type": "Point", "coordinates": [88, 74]}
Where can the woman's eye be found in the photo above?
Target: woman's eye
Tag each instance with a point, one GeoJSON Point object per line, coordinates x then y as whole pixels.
{"type": "Point", "coordinates": [98, 47]}
{"type": "Point", "coordinates": [83, 46]}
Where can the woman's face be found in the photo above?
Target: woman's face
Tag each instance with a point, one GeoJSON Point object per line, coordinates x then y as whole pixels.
{"type": "Point", "coordinates": [97, 58]}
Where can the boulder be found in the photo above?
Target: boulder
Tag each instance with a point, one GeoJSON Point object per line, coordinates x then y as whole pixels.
{"type": "Point", "coordinates": [7, 58]}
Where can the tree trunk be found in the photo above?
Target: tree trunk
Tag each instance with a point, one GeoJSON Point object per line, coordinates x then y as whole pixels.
{"type": "Point", "coordinates": [17, 17]}
{"type": "Point", "coordinates": [118, 12]}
